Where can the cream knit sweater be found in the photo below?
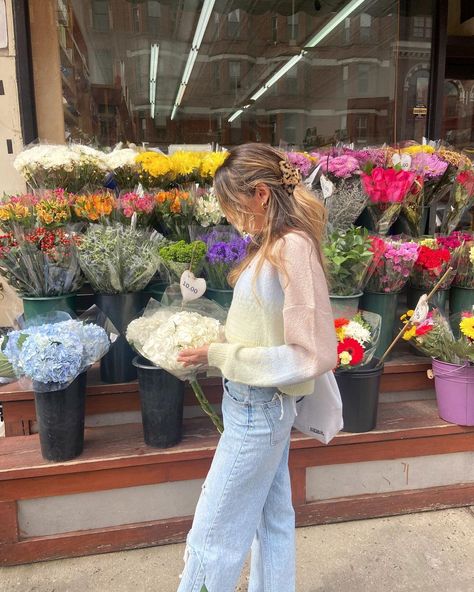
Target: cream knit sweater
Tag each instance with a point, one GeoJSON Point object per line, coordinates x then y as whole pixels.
{"type": "Point", "coordinates": [280, 329]}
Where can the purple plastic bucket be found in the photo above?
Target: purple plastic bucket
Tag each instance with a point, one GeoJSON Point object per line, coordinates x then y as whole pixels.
{"type": "Point", "coordinates": [454, 392]}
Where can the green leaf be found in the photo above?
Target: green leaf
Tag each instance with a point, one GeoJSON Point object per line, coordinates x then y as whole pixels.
{"type": "Point", "coordinates": [204, 589]}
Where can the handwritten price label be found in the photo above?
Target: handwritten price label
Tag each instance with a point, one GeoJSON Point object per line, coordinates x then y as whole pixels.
{"type": "Point", "coordinates": [191, 287]}
{"type": "Point", "coordinates": [327, 186]}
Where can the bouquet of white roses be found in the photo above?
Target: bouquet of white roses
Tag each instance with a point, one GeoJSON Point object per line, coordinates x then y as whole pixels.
{"type": "Point", "coordinates": [163, 331]}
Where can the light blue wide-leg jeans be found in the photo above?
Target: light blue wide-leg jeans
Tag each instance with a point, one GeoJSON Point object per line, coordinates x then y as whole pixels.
{"type": "Point", "coordinates": [246, 497]}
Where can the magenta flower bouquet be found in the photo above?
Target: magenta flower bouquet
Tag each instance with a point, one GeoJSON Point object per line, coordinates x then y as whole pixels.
{"type": "Point", "coordinates": [136, 202]}
{"type": "Point", "coordinates": [433, 169]}
{"type": "Point", "coordinates": [394, 267]}
{"type": "Point", "coordinates": [302, 161]}
{"type": "Point", "coordinates": [387, 190]}
{"type": "Point", "coordinates": [348, 199]}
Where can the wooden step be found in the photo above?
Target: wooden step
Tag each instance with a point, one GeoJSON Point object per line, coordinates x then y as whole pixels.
{"type": "Point", "coordinates": [120, 403]}
{"type": "Point", "coordinates": [121, 494]}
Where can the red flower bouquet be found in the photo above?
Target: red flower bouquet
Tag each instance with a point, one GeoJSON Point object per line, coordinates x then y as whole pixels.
{"type": "Point", "coordinates": [357, 339]}
{"type": "Point", "coordinates": [461, 199]}
{"type": "Point", "coordinates": [387, 190]}
{"type": "Point", "coordinates": [432, 262]}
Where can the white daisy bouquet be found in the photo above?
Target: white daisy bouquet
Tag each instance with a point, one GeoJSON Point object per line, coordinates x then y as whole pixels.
{"type": "Point", "coordinates": [71, 167]}
{"type": "Point", "coordinates": [164, 330]}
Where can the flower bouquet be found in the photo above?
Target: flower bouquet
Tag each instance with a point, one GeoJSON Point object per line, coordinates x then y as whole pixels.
{"type": "Point", "coordinates": [433, 169]}
{"type": "Point", "coordinates": [221, 257]}
{"type": "Point", "coordinates": [122, 164]}
{"type": "Point", "coordinates": [175, 211]}
{"type": "Point", "coordinates": [348, 198]}
{"type": "Point", "coordinates": [54, 352]}
{"type": "Point", "coordinates": [118, 259]}
{"type": "Point", "coordinates": [461, 199]}
{"type": "Point", "coordinates": [207, 211]}
{"type": "Point", "coordinates": [154, 169]}
{"type": "Point", "coordinates": [186, 165]}
{"type": "Point", "coordinates": [303, 161]}
{"type": "Point", "coordinates": [387, 188]}
{"type": "Point", "coordinates": [433, 335]}
{"type": "Point", "coordinates": [136, 202]}
{"type": "Point", "coordinates": [349, 257]}
{"type": "Point", "coordinates": [94, 207]}
{"type": "Point", "coordinates": [163, 331]}
{"type": "Point", "coordinates": [357, 339]}
{"type": "Point", "coordinates": [71, 167]}
{"type": "Point", "coordinates": [394, 266]}
{"type": "Point", "coordinates": [432, 262]}
{"type": "Point", "coordinates": [210, 162]}
{"type": "Point", "coordinates": [40, 262]}
{"type": "Point", "coordinates": [181, 256]}
{"type": "Point", "coordinates": [17, 210]}
{"type": "Point", "coordinates": [53, 208]}
{"type": "Point", "coordinates": [465, 270]}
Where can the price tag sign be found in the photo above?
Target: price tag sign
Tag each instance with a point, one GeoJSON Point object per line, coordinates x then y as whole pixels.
{"type": "Point", "coordinates": [191, 287]}
{"type": "Point", "coordinates": [403, 160]}
{"type": "Point", "coordinates": [421, 311]}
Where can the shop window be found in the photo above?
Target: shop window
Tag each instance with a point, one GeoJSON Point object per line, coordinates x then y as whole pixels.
{"type": "Point", "coordinates": [234, 74]}
{"type": "Point", "coordinates": [233, 23]}
{"type": "Point", "coordinates": [292, 81]}
{"type": "Point", "coordinates": [363, 80]}
{"type": "Point", "coordinates": [361, 128]}
{"type": "Point", "coordinates": [136, 19]}
{"type": "Point", "coordinates": [216, 74]}
{"type": "Point", "coordinates": [154, 16]}
{"type": "Point", "coordinates": [345, 79]}
{"type": "Point", "coordinates": [451, 93]}
{"type": "Point", "coordinates": [275, 28]}
{"type": "Point", "coordinates": [104, 73]}
{"type": "Point", "coordinates": [422, 27]}
{"type": "Point", "coordinates": [100, 15]}
{"type": "Point", "coordinates": [365, 27]}
{"type": "Point", "coordinates": [293, 23]}
{"type": "Point", "coordinates": [347, 31]}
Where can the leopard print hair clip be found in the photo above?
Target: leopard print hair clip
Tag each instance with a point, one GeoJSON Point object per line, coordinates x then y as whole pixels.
{"type": "Point", "coordinates": [290, 176]}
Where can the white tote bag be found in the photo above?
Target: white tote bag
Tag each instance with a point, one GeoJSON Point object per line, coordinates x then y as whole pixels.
{"type": "Point", "coordinates": [320, 414]}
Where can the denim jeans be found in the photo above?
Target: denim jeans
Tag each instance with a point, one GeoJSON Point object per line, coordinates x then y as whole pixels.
{"type": "Point", "coordinates": [246, 497]}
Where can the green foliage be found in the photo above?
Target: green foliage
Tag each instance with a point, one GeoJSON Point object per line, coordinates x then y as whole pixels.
{"type": "Point", "coordinates": [183, 252]}
{"type": "Point", "coordinates": [348, 255]}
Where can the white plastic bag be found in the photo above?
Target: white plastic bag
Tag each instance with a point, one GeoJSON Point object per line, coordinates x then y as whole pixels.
{"type": "Point", "coordinates": [320, 414]}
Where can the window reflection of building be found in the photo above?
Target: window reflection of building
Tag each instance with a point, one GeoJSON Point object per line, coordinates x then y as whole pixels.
{"type": "Point", "coordinates": [344, 87]}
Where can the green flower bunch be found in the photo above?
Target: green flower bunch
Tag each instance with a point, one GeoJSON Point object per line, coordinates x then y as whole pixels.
{"type": "Point", "coordinates": [180, 256]}
{"type": "Point", "coordinates": [349, 256]}
{"type": "Point", "coordinates": [119, 259]}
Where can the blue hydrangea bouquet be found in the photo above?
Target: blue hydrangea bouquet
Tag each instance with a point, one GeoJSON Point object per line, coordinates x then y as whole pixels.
{"type": "Point", "coordinates": [54, 350]}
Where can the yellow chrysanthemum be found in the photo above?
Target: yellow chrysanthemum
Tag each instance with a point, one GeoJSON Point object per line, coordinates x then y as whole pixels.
{"type": "Point", "coordinates": [418, 148]}
{"type": "Point", "coordinates": [185, 163]}
{"type": "Point", "coordinates": [154, 163]}
{"type": "Point", "coordinates": [211, 162]}
{"type": "Point", "coordinates": [407, 316]}
{"type": "Point", "coordinates": [345, 358]}
{"type": "Point", "coordinates": [429, 242]}
{"type": "Point", "coordinates": [467, 327]}
{"type": "Point", "coordinates": [340, 333]}
{"type": "Point", "coordinates": [410, 333]}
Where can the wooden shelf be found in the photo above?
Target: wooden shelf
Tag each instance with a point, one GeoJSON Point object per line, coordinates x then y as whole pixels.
{"type": "Point", "coordinates": [116, 465]}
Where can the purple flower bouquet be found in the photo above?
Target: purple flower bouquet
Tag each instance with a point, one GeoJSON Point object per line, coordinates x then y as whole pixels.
{"type": "Point", "coordinates": [221, 257]}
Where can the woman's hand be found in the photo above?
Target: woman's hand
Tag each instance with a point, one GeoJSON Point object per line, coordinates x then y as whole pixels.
{"type": "Point", "coordinates": [194, 357]}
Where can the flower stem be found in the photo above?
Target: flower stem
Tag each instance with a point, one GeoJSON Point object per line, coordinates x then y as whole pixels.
{"type": "Point", "coordinates": [206, 406]}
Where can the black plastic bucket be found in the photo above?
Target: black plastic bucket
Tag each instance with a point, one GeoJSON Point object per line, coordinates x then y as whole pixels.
{"type": "Point", "coordinates": [116, 366]}
{"type": "Point", "coordinates": [60, 416]}
{"type": "Point", "coordinates": [161, 400]}
{"type": "Point", "coordinates": [360, 397]}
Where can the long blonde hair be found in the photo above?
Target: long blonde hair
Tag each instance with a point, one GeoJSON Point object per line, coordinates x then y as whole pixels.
{"type": "Point", "coordinates": [236, 180]}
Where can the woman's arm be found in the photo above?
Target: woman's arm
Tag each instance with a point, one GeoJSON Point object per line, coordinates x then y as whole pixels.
{"type": "Point", "coordinates": [310, 345]}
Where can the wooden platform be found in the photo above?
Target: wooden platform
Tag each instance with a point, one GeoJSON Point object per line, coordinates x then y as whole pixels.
{"type": "Point", "coordinates": [119, 403]}
{"type": "Point", "coordinates": [121, 494]}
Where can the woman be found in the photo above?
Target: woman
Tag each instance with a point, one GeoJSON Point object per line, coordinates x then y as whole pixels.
{"type": "Point", "coordinates": [280, 336]}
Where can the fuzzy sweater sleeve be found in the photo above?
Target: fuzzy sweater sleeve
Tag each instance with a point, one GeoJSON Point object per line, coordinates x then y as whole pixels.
{"type": "Point", "coordinates": [309, 347]}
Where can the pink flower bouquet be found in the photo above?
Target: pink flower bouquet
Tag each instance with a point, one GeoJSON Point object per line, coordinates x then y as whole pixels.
{"type": "Point", "coordinates": [387, 189]}
{"type": "Point", "coordinates": [394, 267]}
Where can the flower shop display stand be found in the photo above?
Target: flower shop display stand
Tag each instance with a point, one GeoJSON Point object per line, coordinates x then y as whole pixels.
{"type": "Point", "coordinates": [120, 494]}
{"type": "Point", "coordinates": [108, 404]}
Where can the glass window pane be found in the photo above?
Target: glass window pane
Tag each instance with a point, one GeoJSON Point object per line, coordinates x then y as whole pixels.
{"type": "Point", "coordinates": [360, 81]}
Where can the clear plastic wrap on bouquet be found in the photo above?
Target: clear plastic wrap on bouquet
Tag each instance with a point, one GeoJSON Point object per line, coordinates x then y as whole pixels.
{"type": "Point", "coordinates": [346, 203]}
{"type": "Point", "coordinates": [167, 327]}
{"type": "Point", "coordinates": [460, 201]}
{"type": "Point", "coordinates": [357, 339]}
{"type": "Point", "coordinates": [117, 258]}
{"type": "Point", "coordinates": [52, 350]}
{"type": "Point", "coordinates": [40, 261]}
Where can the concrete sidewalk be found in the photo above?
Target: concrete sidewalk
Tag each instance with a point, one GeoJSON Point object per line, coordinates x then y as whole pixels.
{"type": "Point", "coordinates": [425, 552]}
